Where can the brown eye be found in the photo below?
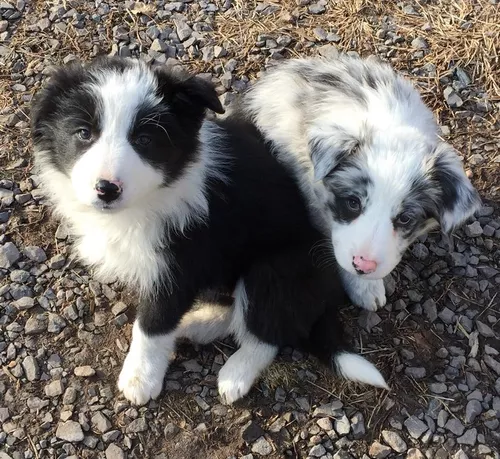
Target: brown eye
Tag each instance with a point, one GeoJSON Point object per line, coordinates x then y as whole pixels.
{"type": "Point", "coordinates": [353, 204]}
{"type": "Point", "coordinates": [143, 140]}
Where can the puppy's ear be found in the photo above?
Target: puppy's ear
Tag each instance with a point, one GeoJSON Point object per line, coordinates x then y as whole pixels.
{"type": "Point", "coordinates": [187, 93]}
{"type": "Point", "coordinates": [459, 199]}
{"type": "Point", "coordinates": [327, 152]}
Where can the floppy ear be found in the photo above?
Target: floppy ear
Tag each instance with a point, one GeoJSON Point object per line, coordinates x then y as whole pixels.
{"type": "Point", "coordinates": [327, 152]}
{"type": "Point", "coordinates": [187, 93]}
{"type": "Point", "coordinates": [459, 199]}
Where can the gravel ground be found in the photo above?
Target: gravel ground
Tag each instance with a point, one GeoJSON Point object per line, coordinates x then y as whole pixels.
{"type": "Point", "coordinates": [63, 336]}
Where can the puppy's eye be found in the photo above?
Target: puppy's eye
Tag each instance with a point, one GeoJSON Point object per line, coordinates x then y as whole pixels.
{"type": "Point", "coordinates": [84, 134]}
{"type": "Point", "coordinates": [142, 140]}
{"type": "Point", "coordinates": [353, 204]}
{"type": "Point", "coordinates": [405, 220]}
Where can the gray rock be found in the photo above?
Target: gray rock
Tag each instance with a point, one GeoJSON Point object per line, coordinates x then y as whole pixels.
{"type": "Point", "coordinates": [458, 259]}
{"type": "Point", "coordinates": [328, 51]}
{"type": "Point", "coordinates": [468, 438]}
{"type": "Point", "coordinates": [56, 323]}
{"type": "Point", "coordinates": [484, 330]}
{"type": "Point", "coordinates": [70, 431]}
{"type": "Point", "coordinates": [446, 315]}
{"type": "Point", "coordinates": [183, 29]}
{"type": "Point", "coordinates": [330, 409]}
{"type": "Point", "coordinates": [415, 427]}
{"type": "Point", "coordinates": [415, 372]}
{"type": "Point", "coordinates": [24, 303]}
{"type": "Point", "coordinates": [474, 229]}
{"type": "Point", "coordinates": [452, 98]}
{"type": "Point", "coordinates": [57, 261]}
{"type": "Point", "coordinates": [358, 425]}
{"type": "Point", "coordinates": [368, 320]}
{"type": "Point", "coordinates": [379, 451]}
{"type": "Point", "coordinates": [35, 254]}
{"type": "Point", "coordinates": [31, 369]}
{"type": "Point", "coordinates": [438, 388]}
{"type": "Point", "coordinates": [114, 452]}
{"type": "Point", "coordinates": [85, 371]}
{"type": "Point", "coordinates": [342, 425]}
{"type": "Point", "coordinates": [325, 424]}
{"type": "Point", "coordinates": [419, 43]}
{"type": "Point", "coordinates": [8, 255]}
{"type": "Point", "coordinates": [100, 423]}
{"type": "Point", "coordinates": [137, 425]}
{"type": "Point", "coordinates": [34, 326]}
{"type": "Point", "coordinates": [492, 363]}
{"type": "Point", "coordinates": [119, 308]}
{"type": "Point", "coordinates": [192, 366]}
{"type": "Point", "coordinates": [170, 431]}
{"type": "Point", "coordinates": [430, 309]}
{"type": "Point", "coordinates": [472, 411]}
{"type": "Point", "coordinates": [455, 426]}
{"type": "Point", "coordinates": [317, 451]}
{"type": "Point", "coordinates": [69, 396]}
{"type": "Point", "coordinates": [420, 251]}
{"type": "Point", "coordinates": [460, 455]}
{"type": "Point", "coordinates": [317, 8]}
{"type": "Point", "coordinates": [394, 440]}
{"type": "Point", "coordinates": [414, 453]}
{"type": "Point", "coordinates": [262, 447]}
{"type": "Point", "coordinates": [251, 431]}
{"type": "Point", "coordinates": [54, 389]}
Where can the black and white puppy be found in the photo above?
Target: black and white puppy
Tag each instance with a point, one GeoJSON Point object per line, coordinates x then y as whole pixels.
{"type": "Point", "coordinates": [368, 155]}
{"type": "Point", "coordinates": [176, 206]}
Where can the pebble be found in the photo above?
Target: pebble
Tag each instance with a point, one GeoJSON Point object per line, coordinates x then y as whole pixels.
{"type": "Point", "coordinates": [85, 371]}
{"type": "Point", "coordinates": [414, 453]}
{"type": "Point", "coordinates": [474, 229]}
{"type": "Point", "coordinates": [262, 447]}
{"type": "Point", "coordinates": [54, 389]}
{"type": "Point", "coordinates": [455, 426]}
{"type": "Point", "coordinates": [70, 431]}
{"type": "Point", "coordinates": [8, 255]}
{"type": "Point", "coordinates": [137, 425]}
{"type": "Point", "coordinates": [35, 254]}
{"type": "Point", "coordinates": [100, 423]}
{"type": "Point", "coordinates": [394, 440]}
{"type": "Point", "coordinates": [317, 451]}
{"type": "Point", "coordinates": [452, 98]}
{"type": "Point", "coordinates": [415, 427]}
{"type": "Point", "coordinates": [24, 303]}
{"type": "Point", "coordinates": [114, 452]}
{"type": "Point", "coordinates": [468, 438]}
{"type": "Point", "coordinates": [416, 372]}
{"type": "Point", "coordinates": [379, 451]}
{"type": "Point", "coordinates": [31, 369]}
{"type": "Point", "coordinates": [251, 431]}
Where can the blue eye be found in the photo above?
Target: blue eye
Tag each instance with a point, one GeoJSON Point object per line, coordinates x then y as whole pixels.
{"type": "Point", "coordinates": [84, 134]}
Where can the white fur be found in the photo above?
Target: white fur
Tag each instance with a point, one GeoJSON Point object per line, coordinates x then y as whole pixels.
{"type": "Point", "coordinates": [367, 293]}
{"type": "Point", "coordinates": [242, 369]}
{"type": "Point", "coordinates": [206, 323]}
{"type": "Point", "coordinates": [395, 137]}
{"type": "Point", "coordinates": [356, 368]}
{"type": "Point", "coordinates": [141, 378]}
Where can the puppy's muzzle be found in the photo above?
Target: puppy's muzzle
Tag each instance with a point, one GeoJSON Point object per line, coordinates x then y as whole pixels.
{"type": "Point", "coordinates": [108, 191]}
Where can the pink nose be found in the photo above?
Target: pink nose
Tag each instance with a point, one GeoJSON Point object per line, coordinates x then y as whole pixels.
{"type": "Point", "coordinates": [364, 266]}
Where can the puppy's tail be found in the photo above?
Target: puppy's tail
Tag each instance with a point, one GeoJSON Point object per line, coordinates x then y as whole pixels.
{"type": "Point", "coordinates": [356, 368]}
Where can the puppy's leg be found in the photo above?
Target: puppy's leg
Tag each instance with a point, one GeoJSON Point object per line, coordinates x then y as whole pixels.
{"type": "Point", "coordinates": [366, 293]}
{"type": "Point", "coordinates": [241, 370]}
{"type": "Point", "coordinates": [141, 378]}
{"type": "Point", "coordinates": [153, 342]}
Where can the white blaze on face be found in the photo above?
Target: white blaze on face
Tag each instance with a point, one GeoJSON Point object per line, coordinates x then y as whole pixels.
{"type": "Point", "coordinates": [112, 157]}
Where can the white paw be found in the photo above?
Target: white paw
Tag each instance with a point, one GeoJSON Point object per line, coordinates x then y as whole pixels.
{"type": "Point", "coordinates": [137, 383]}
{"type": "Point", "coordinates": [234, 382]}
{"type": "Point", "coordinates": [369, 294]}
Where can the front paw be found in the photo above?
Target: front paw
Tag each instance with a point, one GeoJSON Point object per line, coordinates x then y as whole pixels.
{"type": "Point", "coordinates": [369, 294]}
{"type": "Point", "coordinates": [137, 383]}
{"type": "Point", "coordinates": [234, 383]}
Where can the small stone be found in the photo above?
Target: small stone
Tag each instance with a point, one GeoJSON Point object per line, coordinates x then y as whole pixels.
{"type": "Point", "coordinates": [251, 431]}
{"type": "Point", "coordinates": [419, 43]}
{"type": "Point", "coordinates": [34, 326]}
{"type": "Point", "coordinates": [455, 426]}
{"type": "Point", "coordinates": [137, 425]}
{"type": "Point", "coordinates": [69, 396]}
{"type": "Point", "coordinates": [342, 425]}
{"type": "Point", "coordinates": [183, 30]}
{"type": "Point", "coordinates": [415, 372]}
{"type": "Point", "coordinates": [415, 427]}
{"type": "Point", "coordinates": [430, 309]}
{"type": "Point", "coordinates": [24, 303]}
{"type": "Point", "coordinates": [325, 424]}
{"type": "Point", "coordinates": [420, 251]}
{"type": "Point", "coordinates": [330, 409]}
{"type": "Point", "coordinates": [170, 431]}
{"type": "Point", "coordinates": [484, 330]}
{"type": "Point", "coordinates": [379, 451]}
{"type": "Point", "coordinates": [70, 431]}
{"type": "Point", "coordinates": [458, 260]}
{"type": "Point", "coordinates": [119, 308]}
{"type": "Point", "coordinates": [85, 371]}
{"type": "Point", "coordinates": [468, 438]}
{"type": "Point", "coordinates": [328, 51]}
{"type": "Point", "coordinates": [31, 369]}
{"type": "Point", "coordinates": [438, 388]}
{"type": "Point", "coordinates": [56, 323]}
{"type": "Point", "coordinates": [317, 451]}
{"type": "Point", "coordinates": [262, 447]}
{"type": "Point", "coordinates": [57, 261]}
{"type": "Point", "coordinates": [35, 254]}
{"type": "Point", "coordinates": [8, 255]}
{"type": "Point", "coordinates": [358, 425]}
{"type": "Point", "coordinates": [474, 229]}
{"type": "Point", "coordinates": [192, 366]}
{"type": "Point", "coordinates": [460, 455]}
{"type": "Point", "coordinates": [446, 315]}
{"type": "Point", "coordinates": [54, 389]}
{"type": "Point", "coordinates": [394, 440]}
{"type": "Point", "coordinates": [368, 320]}
{"type": "Point", "coordinates": [114, 452]}
{"type": "Point", "coordinates": [472, 411]}
{"type": "Point", "coordinates": [452, 98]}
{"type": "Point", "coordinates": [100, 423]}
{"type": "Point", "coordinates": [317, 8]}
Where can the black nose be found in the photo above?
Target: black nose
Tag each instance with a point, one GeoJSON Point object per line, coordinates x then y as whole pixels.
{"type": "Point", "coordinates": [107, 191]}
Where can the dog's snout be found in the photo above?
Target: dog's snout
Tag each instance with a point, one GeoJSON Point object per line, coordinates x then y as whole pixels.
{"type": "Point", "coordinates": [108, 190]}
{"type": "Point", "coordinates": [364, 266]}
